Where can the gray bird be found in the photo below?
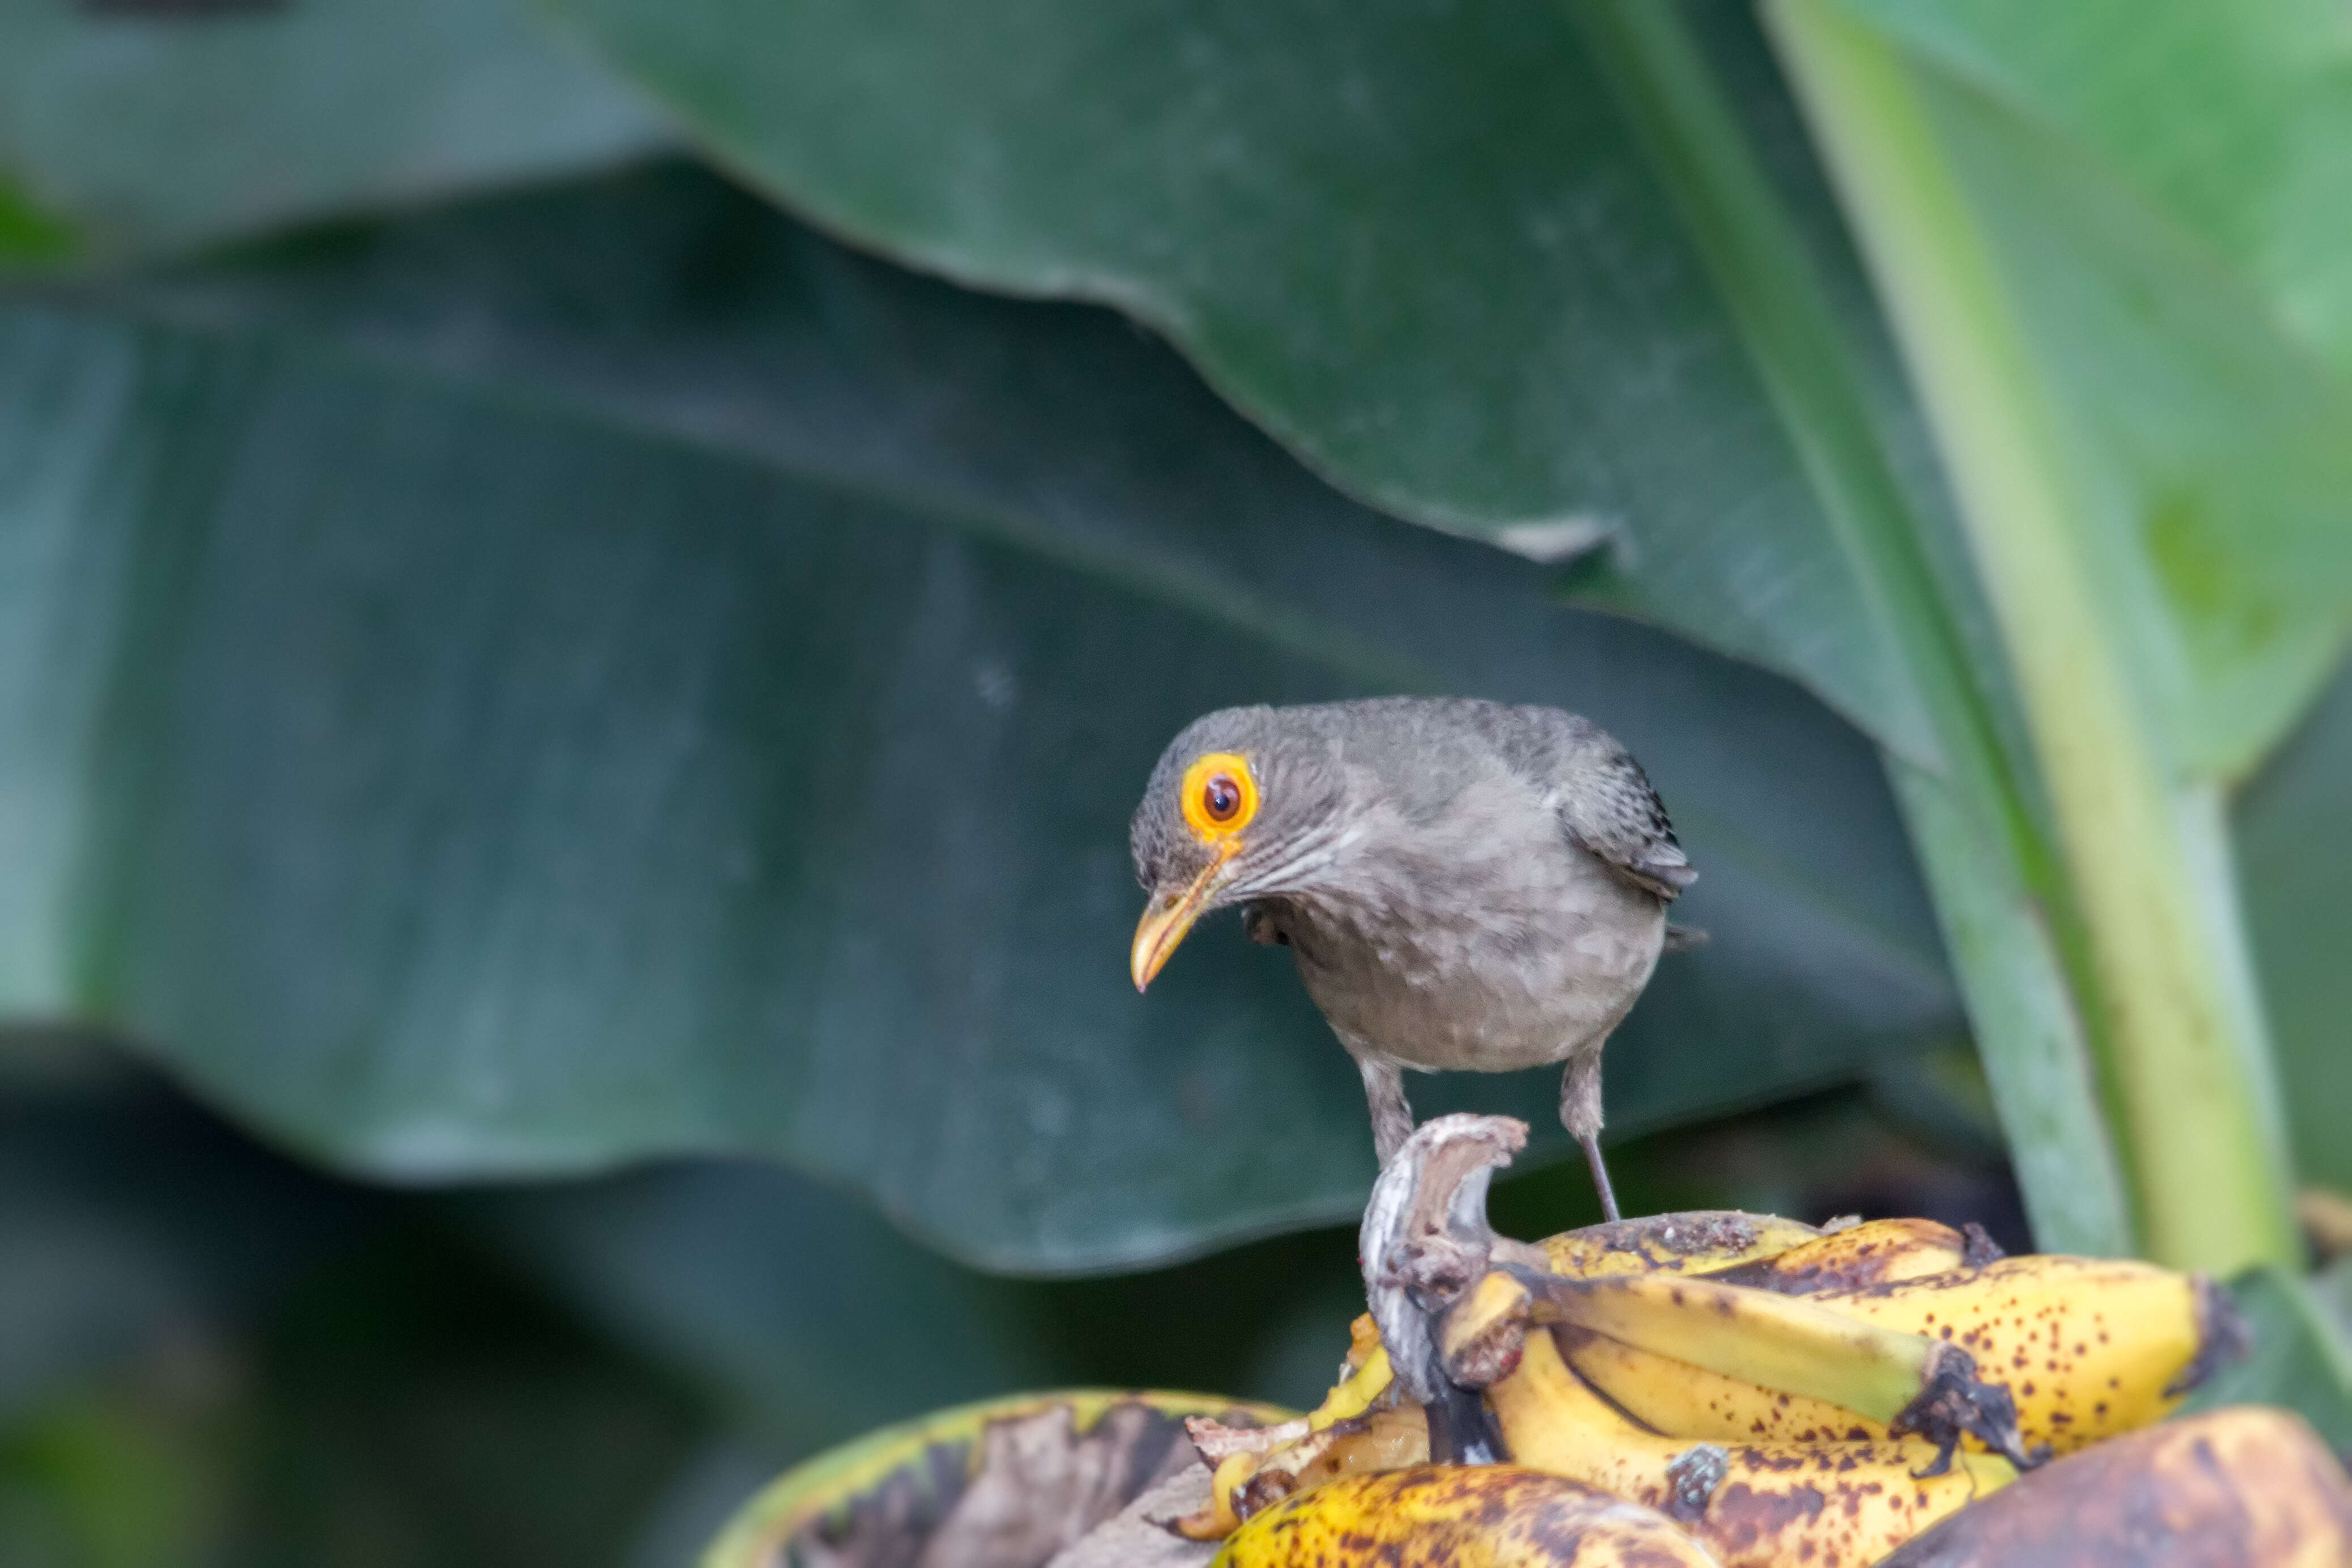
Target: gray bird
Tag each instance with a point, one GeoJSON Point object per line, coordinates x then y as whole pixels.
{"type": "Point", "coordinates": [1465, 885]}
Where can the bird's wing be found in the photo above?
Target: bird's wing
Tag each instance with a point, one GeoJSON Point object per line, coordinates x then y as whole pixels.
{"type": "Point", "coordinates": [1606, 805]}
{"type": "Point", "coordinates": [1618, 818]}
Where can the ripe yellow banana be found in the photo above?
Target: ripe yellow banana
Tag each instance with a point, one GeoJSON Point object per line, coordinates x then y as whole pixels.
{"type": "Point", "coordinates": [1494, 1516]}
{"type": "Point", "coordinates": [1907, 1382]}
{"type": "Point", "coordinates": [2241, 1485]}
{"type": "Point", "coordinates": [1694, 1242]}
{"type": "Point", "coordinates": [2086, 1347]}
{"type": "Point", "coordinates": [1754, 1505]}
{"type": "Point", "coordinates": [1880, 1252]}
{"type": "Point", "coordinates": [1691, 1402]}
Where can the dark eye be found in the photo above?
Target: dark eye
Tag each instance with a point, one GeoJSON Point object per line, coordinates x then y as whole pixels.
{"type": "Point", "coordinates": [1221, 798]}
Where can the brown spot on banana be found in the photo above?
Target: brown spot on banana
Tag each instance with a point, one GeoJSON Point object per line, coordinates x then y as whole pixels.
{"type": "Point", "coordinates": [1694, 1242]}
{"type": "Point", "coordinates": [2087, 1348]}
{"type": "Point", "coordinates": [1880, 1252]}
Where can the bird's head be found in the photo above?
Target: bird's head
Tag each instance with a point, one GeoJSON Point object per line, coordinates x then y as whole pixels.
{"type": "Point", "coordinates": [1247, 802]}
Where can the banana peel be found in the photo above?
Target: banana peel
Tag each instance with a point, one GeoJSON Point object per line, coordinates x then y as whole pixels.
{"type": "Point", "coordinates": [1715, 1389]}
{"type": "Point", "coordinates": [2086, 1349]}
{"type": "Point", "coordinates": [1858, 1257]}
{"type": "Point", "coordinates": [1699, 1241]}
{"type": "Point", "coordinates": [2242, 1486]}
{"type": "Point", "coordinates": [1249, 1476]}
{"type": "Point", "coordinates": [1449, 1515]}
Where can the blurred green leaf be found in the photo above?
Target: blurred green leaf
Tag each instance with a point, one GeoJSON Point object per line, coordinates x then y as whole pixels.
{"type": "Point", "coordinates": [28, 234]}
{"type": "Point", "coordinates": [2294, 852]}
{"type": "Point", "coordinates": [1300, 198]}
{"type": "Point", "coordinates": [116, 1478]}
{"type": "Point", "coordinates": [610, 672]}
{"type": "Point", "coordinates": [811, 1320]}
{"type": "Point", "coordinates": [211, 1355]}
{"type": "Point", "coordinates": [2154, 484]}
{"type": "Point", "coordinates": [137, 129]}
{"type": "Point", "coordinates": [2183, 285]}
{"type": "Point", "coordinates": [126, 1218]}
{"type": "Point", "coordinates": [1420, 244]}
{"type": "Point", "coordinates": [2261, 174]}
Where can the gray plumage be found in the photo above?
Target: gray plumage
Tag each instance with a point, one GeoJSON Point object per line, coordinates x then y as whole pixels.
{"type": "Point", "coordinates": [1465, 885]}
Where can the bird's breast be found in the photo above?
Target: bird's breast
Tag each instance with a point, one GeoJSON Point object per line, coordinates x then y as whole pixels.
{"type": "Point", "coordinates": [1511, 960]}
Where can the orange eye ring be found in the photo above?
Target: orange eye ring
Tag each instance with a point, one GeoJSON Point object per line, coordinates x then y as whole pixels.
{"type": "Point", "coordinates": [1220, 796]}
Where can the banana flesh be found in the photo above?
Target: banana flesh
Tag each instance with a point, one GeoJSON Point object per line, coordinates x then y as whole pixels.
{"type": "Point", "coordinates": [1442, 1516]}
{"type": "Point", "coordinates": [1362, 1386]}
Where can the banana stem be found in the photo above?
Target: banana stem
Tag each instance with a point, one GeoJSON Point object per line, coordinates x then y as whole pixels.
{"type": "Point", "coordinates": [2144, 847]}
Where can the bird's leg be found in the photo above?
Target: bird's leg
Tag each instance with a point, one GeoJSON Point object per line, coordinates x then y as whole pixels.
{"type": "Point", "coordinates": [1580, 1112]}
{"type": "Point", "coordinates": [1392, 1115]}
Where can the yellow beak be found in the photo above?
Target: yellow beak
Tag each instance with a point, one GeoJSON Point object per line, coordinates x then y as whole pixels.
{"type": "Point", "coordinates": [1166, 919]}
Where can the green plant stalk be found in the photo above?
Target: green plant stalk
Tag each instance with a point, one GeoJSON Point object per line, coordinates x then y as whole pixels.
{"type": "Point", "coordinates": [1992, 873]}
{"type": "Point", "coordinates": [2145, 847]}
{"type": "Point", "coordinates": [2031, 1035]}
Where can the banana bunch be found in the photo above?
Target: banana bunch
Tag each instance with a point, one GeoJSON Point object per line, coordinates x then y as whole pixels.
{"type": "Point", "coordinates": [2236, 1487]}
{"type": "Point", "coordinates": [1776, 1394]}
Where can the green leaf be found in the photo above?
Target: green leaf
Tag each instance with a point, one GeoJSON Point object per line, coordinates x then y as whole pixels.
{"type": "Point", "coordinates": [2294, 860]}
{"type": "Point", "coordinates": [1974, 821]}
{"type": "Point", "coordinates": [2261, 175]}
{"type": "Point", "coordinates": [26, 233]}
{"type": "Point", "coordinates": [1418, 242]}
{"type": "Point", "coordinates": [1337, 176]}
{"type": "Point", "coordinates": [609, 672]}
{"type": "Point", "coordinates": [2101, 675]}
{"type": "Point", "coordinates": [2182, 285]}
{"type": "Point", "coordinates": [2182, 305]}
{"type": "Point", "coordinates": [809, 1320]}
{"type": "Point", "coordinates": [135, 129]}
